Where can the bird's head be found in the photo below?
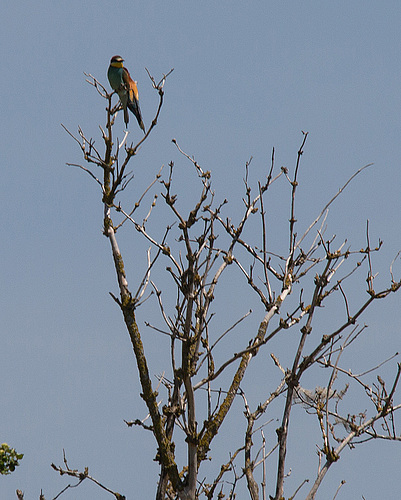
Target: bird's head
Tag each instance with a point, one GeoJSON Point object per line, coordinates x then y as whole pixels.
{"type": "Point", "coordinates": [116, 62]}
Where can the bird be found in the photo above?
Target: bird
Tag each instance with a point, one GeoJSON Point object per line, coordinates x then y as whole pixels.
{"type": "Point", "coordinates": [120, 80]}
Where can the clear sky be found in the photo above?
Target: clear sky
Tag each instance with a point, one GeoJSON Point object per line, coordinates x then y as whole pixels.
{"type": "Point", "coordinates": [248, 76]}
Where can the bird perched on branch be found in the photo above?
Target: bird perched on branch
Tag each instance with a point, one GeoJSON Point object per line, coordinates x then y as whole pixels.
{"type": "Point", "coordinates": [121, 81]}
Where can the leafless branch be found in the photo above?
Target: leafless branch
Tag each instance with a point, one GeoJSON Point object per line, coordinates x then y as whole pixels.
{"type": "Point", "coordinates": [82, 476]}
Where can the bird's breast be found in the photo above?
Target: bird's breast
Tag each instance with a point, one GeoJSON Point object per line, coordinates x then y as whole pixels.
{"type": "Point", "coordinates": [115, 77]}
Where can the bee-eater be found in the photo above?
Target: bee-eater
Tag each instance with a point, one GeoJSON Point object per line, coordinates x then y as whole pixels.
{"type": "Point", "coordinates": [121, 81]}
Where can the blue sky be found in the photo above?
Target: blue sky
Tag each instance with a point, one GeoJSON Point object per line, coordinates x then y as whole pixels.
{"type": "Point", "coordinates": [248, 77]}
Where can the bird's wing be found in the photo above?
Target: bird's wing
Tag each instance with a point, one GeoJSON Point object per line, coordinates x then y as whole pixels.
{"type": "Point", "coordinates": [132, 89]}
{"type": "Point", "coordinates": [133, 97]}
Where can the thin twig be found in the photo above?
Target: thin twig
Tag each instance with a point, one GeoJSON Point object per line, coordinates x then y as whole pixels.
{"type": "Point", "coordinates": [330, 202]}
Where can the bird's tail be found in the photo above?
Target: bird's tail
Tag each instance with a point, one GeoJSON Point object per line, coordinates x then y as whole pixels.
{"type": "Point", "coordinates": [134, 107]}
{"type": "Point", "coordinates": [141, 125]}
{"type": "Point", "coordinates": [126, 116]}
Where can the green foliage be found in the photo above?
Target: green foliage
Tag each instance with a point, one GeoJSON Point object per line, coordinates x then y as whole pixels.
{"type": "Point", "coordinates": [8, 459]}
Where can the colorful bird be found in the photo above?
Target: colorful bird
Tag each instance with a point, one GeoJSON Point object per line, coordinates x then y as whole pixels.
{"type": "Point", "coordinates": [121, 81]}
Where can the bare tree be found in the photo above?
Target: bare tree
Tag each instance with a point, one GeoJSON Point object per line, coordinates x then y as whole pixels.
{"type": "Point", "coordinates": [205, 374]}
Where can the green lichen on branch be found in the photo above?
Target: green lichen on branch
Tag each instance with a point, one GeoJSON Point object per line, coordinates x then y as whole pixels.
{"type": "Point", "coordinates": [211, 426]}
{"type": "Point", "coordinates": [119, 263]}
{"type": "Point", "coordinates": [165, 450]}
